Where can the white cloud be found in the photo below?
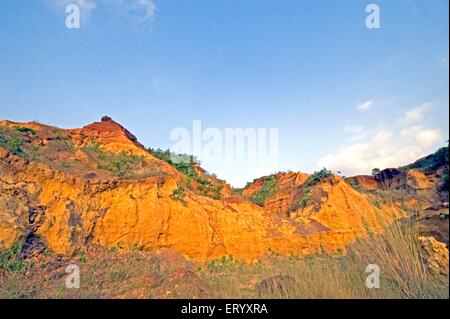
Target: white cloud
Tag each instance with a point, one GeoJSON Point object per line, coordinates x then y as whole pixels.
{"type": "Point", "coordinates": [422, 136]}
{"type": "Point", "coordinates": [147, 7]}
{"type": "Point", "coordinates": [428, 137]}
{"type": "Point", "coordinates": [385, 148]}
{"type": "Point", "coordinates": [139, 11]}
{"type": "Point", "coordinates": [357, 132]}
{"type": "Point", "coordinates": [354, 129]}
{"type": "Point", "coordinates": [415, 114]}
{"type": "Point", "coordinates": [382, 137]}
{"type": "Point", "coordinates": [365, 105]}
{"type": "Point", "coordinates": [382, 152]}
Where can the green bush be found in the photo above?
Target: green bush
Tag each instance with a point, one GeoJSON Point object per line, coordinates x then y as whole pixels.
{"type": "Point", "coordinates": [168, 156]}
{"type": "Point", "coordinates": [159, 153]}
{"type": "Point", "coordinates": [82, 257]}
{"type": "Point", "coordinates": [9, 259]}
{"type": "Point", "coordinates": [93, 149]}
{"type": "Point", "coordinates": [26, 130]}
{"type": "Point", "coordinates": [178, 193]}
{"type": "Point", "coordinates": [186, 168]}
{"type": "Point", "coordinates": [15, 144]}
{"type": "Point", "coordinates": [223, 264]}
{"type": "Point", "coordinates": [317, 177]}
{"type": "Point", "coordinates": [203, 181]}
{"type": "Point", "coordinates": [183, 163]}
{"type": "Point", "coordinates": [120, 165]}
{"type": "Point", "coordinates": [355, 185]}
{"type": "Point", "coordinates": [375, 172]}
{"type": "Point", "coordinates": [305, 199]}
{"type": "Point", "coordinates": [431, 162]}
{"type": "Point", "coordinates": [217, 192]}
{"type": "Point", "coordinates": [267, 189]}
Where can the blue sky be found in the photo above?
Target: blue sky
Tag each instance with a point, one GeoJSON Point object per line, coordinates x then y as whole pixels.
{"type": "Point", "coordinates": [342, 96]}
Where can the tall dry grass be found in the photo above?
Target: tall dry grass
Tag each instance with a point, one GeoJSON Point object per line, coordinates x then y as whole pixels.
{"type": "Point", "coordinates": [403, 274]}
{"type": "Point", "coordinates": [395, 249]}
{"type": "Point", "coordinates": [109, 274]}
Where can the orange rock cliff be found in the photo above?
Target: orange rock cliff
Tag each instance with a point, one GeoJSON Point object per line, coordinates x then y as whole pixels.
{"type": "Point", "coordinates": [99, 185]}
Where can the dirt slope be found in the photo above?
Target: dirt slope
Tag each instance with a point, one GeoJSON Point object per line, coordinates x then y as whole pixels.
{"type": "Point", "coordinates": [65, 189]}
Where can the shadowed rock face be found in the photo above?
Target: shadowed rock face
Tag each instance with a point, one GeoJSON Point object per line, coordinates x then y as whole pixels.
{"type": "Point", "coordinates": [436, 257]}
{"type": "Point", "coordinates": [98, 184]}
{"type": "Point", "coordinates": [419, 192]}
{"type": "Point", "coordinates": [365, 181]}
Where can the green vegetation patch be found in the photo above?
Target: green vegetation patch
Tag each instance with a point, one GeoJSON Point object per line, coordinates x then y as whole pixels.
{"type": "Point", "coordinates": [14, 141]}
{"type": "Point", "coordinates": [29, 145]}
{"type": "Point", "coordinates": [223, 264]}
{"type": "Point", "coordinates": [430, 163]}
{"type": "Point", "coordinates": [178, 193]}
{"type": "Point", "coordinates": [305, 198]}
{"type": "Point", "coordinates": [317, 177]}
{"type": "Point", "coordinates": [10, 259]}
{"type": "Point", "coordinates": [186, 164]}
{"type": "Point", "coordinates": [356, 186]}
{"type": "Point", "coordinates": [26, 130]}
{"type": "Point", "coordinates": [268, 188]}
{"type": "Point", "coordinates": [121, 165]}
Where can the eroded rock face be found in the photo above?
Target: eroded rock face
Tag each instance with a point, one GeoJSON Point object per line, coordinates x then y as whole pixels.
{"type": "Point", "coordinates": [68, 206]}
{"type": "Point", "coordinates": [365, 181]}
{"type": "Point", "coordinates": [106, 132]}
{"type": "Point", "coordinates": [418, 192]}
{"type": "Point", "coordinates": [418, 180]}
{"type": "Point", "coordinates": [436, 256]}
{"type": "Point", "coordinates": [142, 214]}
{"type": "Point", "coordinates": [281, 198]}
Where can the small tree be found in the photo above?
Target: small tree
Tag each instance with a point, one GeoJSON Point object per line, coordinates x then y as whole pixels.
{"type": "Point", "coordinates": [15, 144]}
{"type": "Point", "coordinates": [317, 177]}
{"type": "Point", "coordinates": [178, 193]}
{"type": "Point", "coordinates": [375, 172]}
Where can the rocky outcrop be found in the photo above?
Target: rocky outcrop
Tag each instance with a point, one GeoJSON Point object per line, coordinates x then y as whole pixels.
{"type": "Point", "coordinates": [365, 181]}
{"type": "Point", "coordinates": [71, 194]}
{"type": "Point", "coordinates": [280, 198]}
{"type": "Point", "coordinates": [436, 257]}
{"type": "Point", "coordinates": [107, 132]}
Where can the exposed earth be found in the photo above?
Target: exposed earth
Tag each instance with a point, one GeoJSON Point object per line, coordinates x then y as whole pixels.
{"type": "Point", "coordinates": [159, 228]}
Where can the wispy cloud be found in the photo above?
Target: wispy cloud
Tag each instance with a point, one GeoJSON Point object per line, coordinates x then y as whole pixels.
{"type": "Point", "coordinates": [365, 105]}
{"type": "Point", "coordinates": [146, 8]}
{"type": "Point", "coordinates": [443, 63]}
{"type": "Point", "coordinates": [139, 11]}
{"type": "Point", "coordinates": [423, 136]}
{"type": "Point", "coordinates": [415, 114]}
{"type": "Point", "coordinates": [357, 132]}
{"type": "Point", "coordinates": [384, 148]}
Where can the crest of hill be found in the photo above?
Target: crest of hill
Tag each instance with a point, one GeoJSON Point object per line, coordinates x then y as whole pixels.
{"type": "Point", "coordinates": [99, 185]}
